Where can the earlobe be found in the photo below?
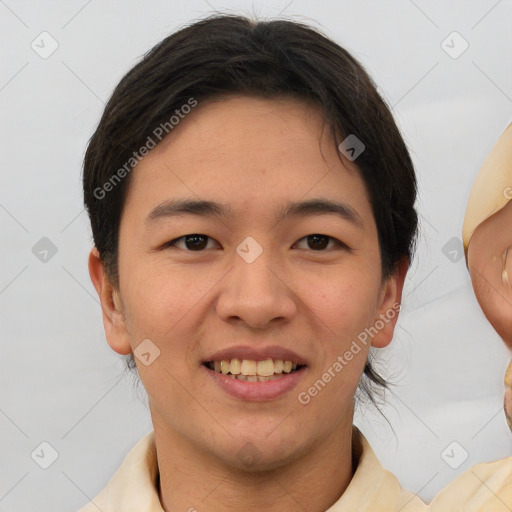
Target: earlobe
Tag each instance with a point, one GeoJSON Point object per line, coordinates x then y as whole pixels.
{"type": "Point", "coordinates": [111, 306]}
{"type": "Point", "coordinates": [389, 305]}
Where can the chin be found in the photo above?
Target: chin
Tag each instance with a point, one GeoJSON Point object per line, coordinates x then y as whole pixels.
{"type": "Point", "coordinates": [255, 458]}
{"type": "Point", "coordinates": [262, 450]}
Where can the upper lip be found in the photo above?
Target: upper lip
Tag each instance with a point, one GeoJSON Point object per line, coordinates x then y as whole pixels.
{"type": "Point", "coordinates": [256, 354]}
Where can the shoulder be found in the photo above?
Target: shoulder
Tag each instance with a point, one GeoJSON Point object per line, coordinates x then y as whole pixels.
{"type": "Point", "coordinates": [374, 488]}
{"type": "Point", "coordinates": [134, 484]}
{"type": "Point", "coordinates": [486, 487]}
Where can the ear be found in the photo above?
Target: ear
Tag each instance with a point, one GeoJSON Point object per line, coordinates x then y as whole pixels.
{"type": "Point", "coordinates": [389, 305]}
{"type": "Point", "coordinates": [111, 306]}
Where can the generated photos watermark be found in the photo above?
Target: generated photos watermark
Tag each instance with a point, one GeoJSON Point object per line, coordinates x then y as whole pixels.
{"type": "Point", "coordinates": [304, 397]}
{"type": "Point", "coordinates": [158, 133]}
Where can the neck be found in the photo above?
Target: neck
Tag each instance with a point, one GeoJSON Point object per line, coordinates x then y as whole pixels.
{"type": "Point", "coordinates": [193, 480]}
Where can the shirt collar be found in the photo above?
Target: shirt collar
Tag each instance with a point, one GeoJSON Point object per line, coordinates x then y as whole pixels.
{"type": "Point", "coordinates": [135, 484]}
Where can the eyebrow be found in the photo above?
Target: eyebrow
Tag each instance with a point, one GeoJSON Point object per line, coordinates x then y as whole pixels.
{"type": "Point", "coordinates": [204, 208]}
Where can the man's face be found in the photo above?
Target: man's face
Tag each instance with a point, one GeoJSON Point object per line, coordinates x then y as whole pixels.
{"type": "Point", "coordinates": [250, 286]}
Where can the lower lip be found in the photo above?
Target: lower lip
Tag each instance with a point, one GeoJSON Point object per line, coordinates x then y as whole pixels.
{"type": "Point", "coordinates": [257, 391]}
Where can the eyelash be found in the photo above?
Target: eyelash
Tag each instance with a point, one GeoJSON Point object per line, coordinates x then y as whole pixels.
{"type": "Point", "coordinates": [339, 244]}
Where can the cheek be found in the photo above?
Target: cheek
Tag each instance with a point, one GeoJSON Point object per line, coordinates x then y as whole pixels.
{"type": "Point", "coordinates": [159, 296]}
{"type": "Point", "coordinates": [153, 308]}
{"type": "Point", "coordinates": [345, 301]}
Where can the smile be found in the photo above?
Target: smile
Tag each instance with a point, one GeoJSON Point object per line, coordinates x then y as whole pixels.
{"type": "Point", "coordinates": [253, 371]}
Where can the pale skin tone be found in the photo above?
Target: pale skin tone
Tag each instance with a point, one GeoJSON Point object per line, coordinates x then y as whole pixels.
{"type": "Point", "coordinates": [253, 155]}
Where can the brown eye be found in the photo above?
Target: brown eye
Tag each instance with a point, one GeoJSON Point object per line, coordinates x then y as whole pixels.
{"type": "Point", "coordinates": [194, 242]}
{"type": "Point", "coordinates": [318, 242]}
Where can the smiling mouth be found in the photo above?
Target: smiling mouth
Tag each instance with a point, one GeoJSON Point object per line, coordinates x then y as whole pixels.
{"type": "Point", "coordinates": [254, 371]}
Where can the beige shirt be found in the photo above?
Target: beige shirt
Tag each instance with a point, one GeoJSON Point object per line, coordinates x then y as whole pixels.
{"type": "Point", "coordinates": [485, 487]}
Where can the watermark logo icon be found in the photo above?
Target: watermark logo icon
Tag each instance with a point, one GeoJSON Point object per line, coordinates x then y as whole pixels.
{"type": "Point", "coordinates": [44, 455]}
{"type": "Point", "coordinates": [454, 455]}
{"type": "Point", "coordinates": [351, 147]}
{"type": "Point", "coordinates": [44, 250]}
{"type": "Point", "coordinates": [453, 249]}
{"type": "Point", "coordinates": [44, 45]}
{"type": "Point", "coordinates": [249, 454]}
{"type": "Point", "coordinates": [147, 352]}
{"type": "Point", "coordinates": [249, 249]}
{"type": "Point", "coordinates": [454, 45]}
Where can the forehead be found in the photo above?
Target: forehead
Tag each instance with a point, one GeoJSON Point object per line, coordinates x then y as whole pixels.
{"type": "Point", "coordinates": [245, 125]}
{"type": "Point", "coordinates": [246, 150]}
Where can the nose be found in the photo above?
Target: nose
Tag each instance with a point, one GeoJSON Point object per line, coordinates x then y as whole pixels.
{"type": "Point", "coordinates": [256, 293]}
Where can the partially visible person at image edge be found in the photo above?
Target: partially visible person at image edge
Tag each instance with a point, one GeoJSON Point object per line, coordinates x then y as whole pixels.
{"type": "Point", "coordinates": [221, 162]}
{"type": "Point", "coordinates": [487, 243]}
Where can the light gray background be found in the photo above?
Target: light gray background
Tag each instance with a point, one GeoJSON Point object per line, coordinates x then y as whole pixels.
{"type": "Point", "coordinates": [59, 380]}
